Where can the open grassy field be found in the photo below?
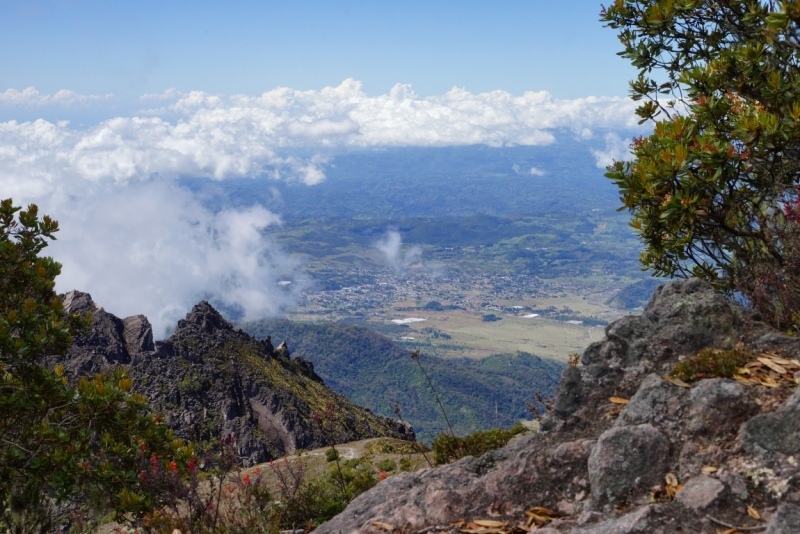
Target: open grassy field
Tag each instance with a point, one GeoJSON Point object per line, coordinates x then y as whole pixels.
{"type": "Point", "coordinates": [472, 337]}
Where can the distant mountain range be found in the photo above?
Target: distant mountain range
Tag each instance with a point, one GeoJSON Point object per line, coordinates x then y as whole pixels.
{"type": "Point", "coordinates": [373, 371]}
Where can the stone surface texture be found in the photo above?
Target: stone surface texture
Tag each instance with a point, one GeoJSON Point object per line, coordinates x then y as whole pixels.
{"type": "Point", "coordinates": [626, 462]}
{"type": "Point", "coordinates": [605, 468]}
{"type": "Point", "coordinates": [786, 520]}
{"type": "Point", "coordinates": [700, 492]}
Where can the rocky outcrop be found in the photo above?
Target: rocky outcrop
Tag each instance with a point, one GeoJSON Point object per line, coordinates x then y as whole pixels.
{"type": "Point", "coordinates": [213, 381]}
{"type": "Point", "coordinates": [673, 459]}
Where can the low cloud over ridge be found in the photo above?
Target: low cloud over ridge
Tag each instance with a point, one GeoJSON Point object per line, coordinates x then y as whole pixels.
{"type": "Point", "coordinates": [141, 244]}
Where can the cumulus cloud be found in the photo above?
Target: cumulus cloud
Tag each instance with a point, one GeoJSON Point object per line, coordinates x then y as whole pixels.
{"type": "Point", "coordinates": [141, 244]}
{"type": "Point", "coordinates": [152, 248]}
{"type": "Point", "coordinates": [616, 149]}
{"type": "Point", "coordinates": [391, 245]}
{"type": "Point", "coordinates": [221, 137]}
{"type": "Point", "coordinates": [31, 97]}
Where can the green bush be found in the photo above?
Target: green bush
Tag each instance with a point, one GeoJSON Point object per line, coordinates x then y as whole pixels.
{"type": "Point", "coordinates": [447, 448]}
{"type": "Point", "coordinates": [331, 454]}
{"type": "Point", "coordinates": [711, 363]}
{"type": "Point", "coordinates": [387, 465]}
{"type": "Point", "coordinates": [320, 499]}
{"type": "Point", "coordinates": [405, 464]}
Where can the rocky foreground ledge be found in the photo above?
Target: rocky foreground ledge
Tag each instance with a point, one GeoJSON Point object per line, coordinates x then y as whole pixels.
{"type": "Point", "coordinates": [702, 459]}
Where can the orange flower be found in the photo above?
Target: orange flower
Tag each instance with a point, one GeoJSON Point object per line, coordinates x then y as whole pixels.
{"type": "Point", "coordinates": [384, 475]}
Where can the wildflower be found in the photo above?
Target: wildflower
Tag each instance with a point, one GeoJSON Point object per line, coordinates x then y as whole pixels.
{"type": "Point", "coordinates": [246, 479]}
{"type": "Point", "coordinates": [173, 466]}
{"type": "Point", "coordinates": [142, 477]}
{"type": "Point", "coordinates": [383, 475]}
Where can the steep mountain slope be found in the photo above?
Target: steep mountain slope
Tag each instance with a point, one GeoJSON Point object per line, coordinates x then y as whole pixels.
{"type": "Point", "coordinates": [212, 381]}
{"type": "Point", "coordinates": [628, 449]}
{"type": "Point", "coordinates": [373, 371]}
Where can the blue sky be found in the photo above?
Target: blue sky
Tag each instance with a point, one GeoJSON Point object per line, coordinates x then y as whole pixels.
{"type": "Point", "coordinates": [106, 106]}
{"type": "Point", "coordinates": [132, 48]}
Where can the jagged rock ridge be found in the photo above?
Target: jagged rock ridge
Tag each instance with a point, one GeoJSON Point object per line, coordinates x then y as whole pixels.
{"type": "Point", "coordinates": [728, 445]}
{"type": "Point", "coordinates": [211, 380]}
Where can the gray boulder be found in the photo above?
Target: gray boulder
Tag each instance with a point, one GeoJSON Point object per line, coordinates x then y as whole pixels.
{"type": "Point", "coordinates": [785, 520]}
{"type": "Point", "coordinates": [700, 493]}
{"type": "Point", "coordinates": [626, 462]}
{"type": "Point", "coordinates": [778, 431]}
{"type": "Point", "coordinates": [642, 521]}
{"type": "Point", "coordinates": [718, 406]}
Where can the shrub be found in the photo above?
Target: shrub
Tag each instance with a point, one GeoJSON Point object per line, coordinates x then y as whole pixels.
{"type": "Point", "coordinates": [386, 465]}
{"type": "Point", "coordinates": [319, 499]}
{"type": "Point", "coordinates": [772, 286]}
{"type": "Point", "coordinates": [60, 440]}
{"type": "Point", "coordinates": [711, 363]}
{"type": "Point", "coordinates": [448, 448]}
{"type": "Point", "coordinates": [331, 455]}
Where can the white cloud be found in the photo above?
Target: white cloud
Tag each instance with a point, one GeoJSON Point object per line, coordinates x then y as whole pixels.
{"type": "Point", "coordinates": [141, 244]}
{"type": "Point", "coordinates": [392, 247]}
{"type": "Point", "coordinates": [616, 149]}
{"type": "Point", "coordinates": [31, 97]}
{"type": "Point", "coordinates": [222, 137]}
{"type": "Point", "coordinates": [533, 171]}
{"type": "Point", "coordinates": [153, 248]}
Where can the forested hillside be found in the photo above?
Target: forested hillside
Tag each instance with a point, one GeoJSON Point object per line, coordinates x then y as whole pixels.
{"type": "Point", "coordinates": [371, 370]}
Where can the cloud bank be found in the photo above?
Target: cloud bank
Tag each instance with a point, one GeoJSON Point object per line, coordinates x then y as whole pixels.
{"type": "Point", "coordinates": [222, 137]}
{"type": "Point", "coordinates": [31, 97]}
{"type": "Point", "coordinates": [141, 244]}
{"type": "Point", "coordinates": [154, 249]}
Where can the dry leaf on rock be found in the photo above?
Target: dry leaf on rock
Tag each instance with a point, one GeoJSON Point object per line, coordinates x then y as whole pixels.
{"type": "Point", "coordinates": [772, 365]}
{"type": "Point", "coordinates": [769, 370]}
{"type": "Point", "coordinates": [709, 469]}
{"type": "Point", "coordinates": [491, 523]}
{"type": "Point", "coordinates": [672, 490]}
{"type": "Point", "coordinates": [383, 526]}
{"type": "Point", "coordinates": [752, 512]}
{"type": "Point", "coordinates": [676, 381]}
{"type": "Point", "coordinates": [671, 479]}
{"type": "Point", "coordinates": [618, 400]}
{"type": "Point", "coordinates": [538, 516]}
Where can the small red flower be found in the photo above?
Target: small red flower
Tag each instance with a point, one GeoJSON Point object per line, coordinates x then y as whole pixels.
{"type": "Point", "coordinates": [191, 465]}
{"type": "Point", "coordinates": [246, 479]}
{"type": "Point", "coordinates": [384, 475]}
{"type": "Point", "coordinates": [173, 466]}
{"type": "Point", "coordinates": [142, 477]}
